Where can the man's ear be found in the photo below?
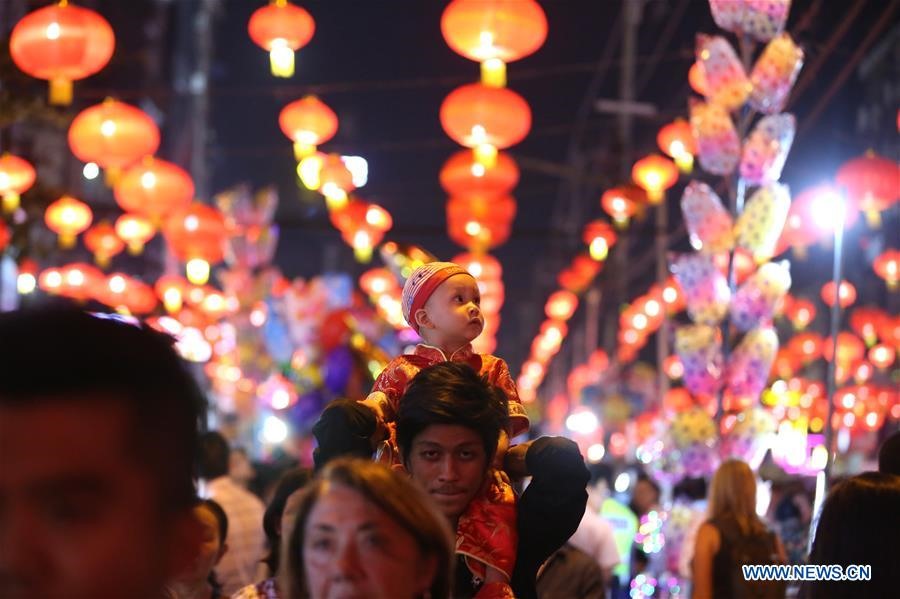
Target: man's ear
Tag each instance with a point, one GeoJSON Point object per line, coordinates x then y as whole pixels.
{"type": "Point", "coordinates": [421, 318]}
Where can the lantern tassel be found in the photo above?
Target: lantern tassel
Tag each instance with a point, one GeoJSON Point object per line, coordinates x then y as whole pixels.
{"type": "Point", "coordinates": [493, 73]}
{"type": "Point", "coordinates": [10, 201]}
{"type": "Point", "coordinates": [281, 59]}
{"type": "Point", "coordinates": [60, 92]}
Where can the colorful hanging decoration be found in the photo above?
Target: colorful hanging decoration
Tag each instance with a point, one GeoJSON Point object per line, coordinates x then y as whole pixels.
{"type": "Point", "coordinates": [750, 364]}
{"type": "Point", "coordinates": [762, 19]}
{"type": "Point", "coordinates": [759, 227]}
{"type": "Point", "coordinates": [699, 347]}
{"type": "Point", "coordinates": [281, 28]}
{"type": "Point", "coordinates": [756, 300]}
{"type": "Point", "coordinates": [61, 43]}
{"type": "Point", "coordinates": [726, 82]}
{"type": "Point", "coordinates": [718, 146]}
{"type": "Point", "coordinates": [766, 149]}
{"type": "Point", "coordinates": [774, 74]}
{"type": "Point", "coordinates": [708, 223]}
{"type": "Point", "coordinates": [704, 286]}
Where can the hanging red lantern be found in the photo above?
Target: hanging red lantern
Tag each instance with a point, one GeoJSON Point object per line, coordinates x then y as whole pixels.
{"type": "Point", "coordinates": [481, 266]}
{"type": "Point", "coordinates": [308, 122]}
{"type": "Point", "coordinates": [887, 266]}
{"type": "Point", "coordinates": [846, 294]}
{"type": "Point", "coordinates": [127, 295]}
{"type": "Point", "coordinates": [494, 32]}
{"type": "Point", "coordinates": [154, 188]}
{"type": "Point", "coordinates": [172, 291]}
{"type": "Point", "coordinates": [801, 312]}
{"type": "Point", "coordinates": [281, 28]}
{"type": "Point", "coordinates": [462, 175]}
{"type": "Point", "coordinates": [673, 367]}
{"type": "Point", "coordinates": [867, 322]}
{"type": "Point", "coordinates": [16, 177]}
{"type": "Point", "coordinates": [872, 184]}
{"type": "Point", "coordinates": [882, 356]}
{"type": "Point", "coordinates": [102, 241]}
{"type": "Point", "coordinates": [362, 226]}
{"type": "Point", "coordinates": [850, 349]}
{"type": "Point", "coordinates": [600, 238]}
{"type": "Point", "coordinates": [79, 281]}
{"type": "Point", "coordinates": [561, 305]}
{"type": "Point", "coordinates": [114, 135]}
{"type": "Point", "coordinates": [621, 203]}
{"type": "Point", "coordinates": [196, 234]}
{"type": "Point", "coordinates": [480, 224]}
{"type": "Point", "coordinates": [378, 281]}
{"type": "Point", "coordinates": [67, 217]}
{"type": "Point", "coordinates": [677, 141]}
{"type": "Point", "coordinates": [336, 182]}
{"type": "Point", "coordinates": [61, 43]}
{"type": "Point", "coordinates": [806, 346]}
{"type": "Point", "coordinates": [135, 231]}
{"type": "Point", "coordinates": [486, 119]}
{"type": "Point", "coordinates": [654, 174]}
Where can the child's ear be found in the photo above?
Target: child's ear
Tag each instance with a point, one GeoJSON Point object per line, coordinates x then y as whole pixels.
{"type": "Point", "coordinates": [422, 319]}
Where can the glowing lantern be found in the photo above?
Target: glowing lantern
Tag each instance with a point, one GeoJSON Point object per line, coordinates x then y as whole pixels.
{"type": "Point", "coordinates": [806, 346]}
{"type": "Point", "coordinates": [154, 188]}
{"type": "Point", "coordinates": [281, 28]}
{"type": "Point", "coordinates": [561, 305]}
{"type": "Point", "coordinates": [882, 355]}
{"type": "Point", "coordinates": [461, 175]}
{"type": "Point", "coordinates": [102, 241]}
{"type": "Point", "coordinates": [114, 135]}
{"type": "Point", "coordinates": [171, 290]}
{"type": "Point", "coordinates": [135, 231]}
{"type": "Point", "coordinates": [867, 322]}
{"type": "Point", "coordinates": [378, 281]}
{"type": "Point", "coordinates": [673, 367]}
{"type": "Point", "coordinates": [850, 349]}
{"type": "Point", "coordinates": [127, 295]}
{"type": "Point", "coordinates": [872, 183]}
{"type": "Point", "coordinates": [655, 175]}
{"type": "Point", "coordinates": [697, 78]}
{"type": "Point", "coordinates": [677, 140]}
{"type": "Point", "coordinates": [479, 223]}
{"type": "Point", "coordinates": [4, 236]}
{"type": "Point", "coordinates": [16, 177]}
{"type": "Point", "coordinates": [336, 181]}
{"type": "Point", "coordinates": [600, 238]}
{"type": "Point", "coordinates": [26, 281]}
{"type": "Point", "coordinates": [486, 119]}
{"type": "Point", "coordinates": [846, 294]}
{"type": "Point", "coordinates": [620, 203]}
{"type": "Point", "coordinates": [196, 235]}
{"type": "Point", "coordinates": [308, 122]}
{"type": "Point", "coordinates": [362, 226]}
{"type": "Point", "coordinates": [493, 33]}
{"type": "Point", "coordinates": [801, 312]}
{"type": "Point", "coordinates": [887, 266]}
{"type": "Point", "coordinates": [61, 43]}
{"type": "Point", "coordinates": [67, 217]}
{"type": "Point", "coordinates": [481, 266]}
{"type": "Point", "coordinates": [309, 168]}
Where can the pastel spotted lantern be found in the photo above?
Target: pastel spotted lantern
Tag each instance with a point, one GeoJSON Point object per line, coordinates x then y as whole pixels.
{"type": "Point", "coordinates": [67, 217]}
{"type": "Point", "coordinates": [281, 28]}
{"type": "Point", "coordinates": [16, 177]}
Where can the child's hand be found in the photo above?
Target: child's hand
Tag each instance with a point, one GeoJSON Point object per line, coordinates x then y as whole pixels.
{"type": "Point", "coordinates": [376, 403]}
{"type": "Point", "coordinates": [502, 448]}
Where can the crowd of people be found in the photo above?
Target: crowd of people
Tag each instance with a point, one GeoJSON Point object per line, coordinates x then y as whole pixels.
{"type": "Point", "coordinates": [109, 489]}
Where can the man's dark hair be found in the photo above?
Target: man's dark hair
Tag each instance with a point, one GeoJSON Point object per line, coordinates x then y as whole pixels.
{"type": "Point", "coordinates": [451, 393]}
{"type": "Point", "coordinates": [889, 455]}
{"type": "Point", "coordinates": [214, 455]}
{"type": "Point", "coordinates": [61, 354]}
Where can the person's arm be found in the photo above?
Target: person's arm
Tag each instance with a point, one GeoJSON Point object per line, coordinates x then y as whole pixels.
{"type": "Point", "coordinates": [514, 461]}
{"type": "Point", "coordinates": [705, 549]}
{"type": "Point", "coordinates": [551, 507]}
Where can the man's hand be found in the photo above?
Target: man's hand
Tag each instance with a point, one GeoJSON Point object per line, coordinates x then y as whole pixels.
{"type": "Point", "coordinates": [502, 448]}
{"type": "Point", "coordinates": [376, 403]}
{"type": "Point", "coordinates": [514, 463]}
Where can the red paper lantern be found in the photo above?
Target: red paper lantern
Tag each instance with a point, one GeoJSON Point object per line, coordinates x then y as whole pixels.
{"type": "Point", "coordinates": [127, 294]}
{"type": "Point", "coordinates": [867, 322]}
{"type": "Point", "coordinates": [196, 234]}
{"type": "Point", "coordinates": [486, 119]}
{"type": "Point", "coordinates": [67, 217]}
{"type": "Point", "coordinates": [462, 175]}
{"type": "Point", "coordinates": [281, 28]}
{"type": "Point", "coordinates": [806, 346]}
{"type": "Point", "coordinates": [61, 43]}
{"type": "Point", "coordinates": [620, 203]}
{"type": "Point", "coordinates": [846, 294]}
{"type": "Point", "coordinates": [481, 266]}
{"type": "Point", "coordinates": [362, 226]}
{"type": "Point", "coordinates": [378, 281]}
{"type": "Point", "coordinates": [677, 141]}
{"type": "Point", "coordinates": [600, 238]}
{"type": "Point", "coordinates": [154, 188]}
{"type": "Point", "coordinates": [336, 181]}
{"type": "Point", "coordinates": [79, 281]}
{"type": "Point", "coordinates": [887, 266]}
{"type": "Point", "coordinates": [494, 32]}
{"type": "Point", "coordinates": [801, 312]}
{"type": "Point", "coordinates": [113, 134]}
{"type": "Point", "coordinates": [882, 355]}
{"type": "Point", "coordinates": [102, 241]}
{"type": "Point", "coordinates": [172, 290]}
{"type": "Point", "coordinates": [850, 349]}
{"type": "Point", "coordinates": [654, 174]}
{"type": "Point", "coordinates": [16, 177]}
{"type": "Point", "coordinates": [135, 231]}
{"type": "Point", "coordinates": [308, 122]}
{"type": "Point", "coordinates": [478, 223]}
{"type": "Point", "coordinates": [561, 305]}
{"type": "Point", "coordinates": [872, 184]}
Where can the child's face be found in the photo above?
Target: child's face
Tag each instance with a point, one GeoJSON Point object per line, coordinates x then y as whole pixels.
{"type": "Point", "coordinates": [454, 311]}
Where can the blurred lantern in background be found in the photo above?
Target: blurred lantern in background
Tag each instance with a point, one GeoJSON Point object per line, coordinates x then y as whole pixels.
{"type": "Point", "coordinates": [887, 266]}
{"type": "Point", "coordinates": [67, 217]}
{"type": "Point", "coordinates": [462, 175]}
{"type": "Point", "coordinates": [478, 223]}
{"type": "Point", "coordinates": [171, 290]}
{"type": "Point", "coordinates": [281, 28]}
{"type": "Point", "coordinates": [561, 305]}
{"type": "Point", "coordinates": [362, 226]}
{"type": "Point", "coordinates": [102, 241]}
{"type": "Point", "coordinates": [872, 184]}
{"type": "Point", "coordinates": [485, 119]}
{"type": "Point", "coordinates": [494, 33]}
{"type": "Point", "coordinates": [154, 188]}
{"type": "Point", "coordinates": [61, 43]}
{"type": "Point", "coordinates": [335, 182]}
{"type": "Point", "coordinates": [135, 231]}
{"type": "Point", "coordinates": [126, 294]}
{"type": "Point", "coordinates": [196, 235]}
{"type": "Point", "coordinates": [882, 356]}
{"type": "Point", "coordinates": [113, 135]}
{"type": "Point", "coordinates": [16, 177]}
{"type": "Point", "coordinates": [677, 140]}
{"type": "Point", "coordinates": [621, 203]}
{"type": "Point", "coordinates": [654, 174]}
{"type": "Point", "coordinates": [846, 294]}
{"type": "Point", "coordinates": [600, 238]}
{"type": "Point", "coordinates": [800, 312]}
{"type": "Point", "coordinates": [308, 122]}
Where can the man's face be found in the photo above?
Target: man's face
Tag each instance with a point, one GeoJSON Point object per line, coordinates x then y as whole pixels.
{"type": "Point", "coordinates": [455, 310]}
{"type": "Point", "coordinates": [79, 516]}
{"type": "Point", "coordinates": [448, 461]}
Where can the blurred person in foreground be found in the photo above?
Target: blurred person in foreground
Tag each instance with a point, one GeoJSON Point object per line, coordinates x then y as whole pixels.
{"type": "Point", "coordinates": [889, 455]}
{"type": "Point", "coordinates": [859, 525]}
{"type": "Point", "coordinates": [734, 536]}
{"type": "Point", "coordinates": [199, 581]}
{"type": "Point", "coordinates": [98, 429]}
{"type": "Point", "coordinates": [364, 530]}
{"type": "Point", "coordinates": [246, 539]}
